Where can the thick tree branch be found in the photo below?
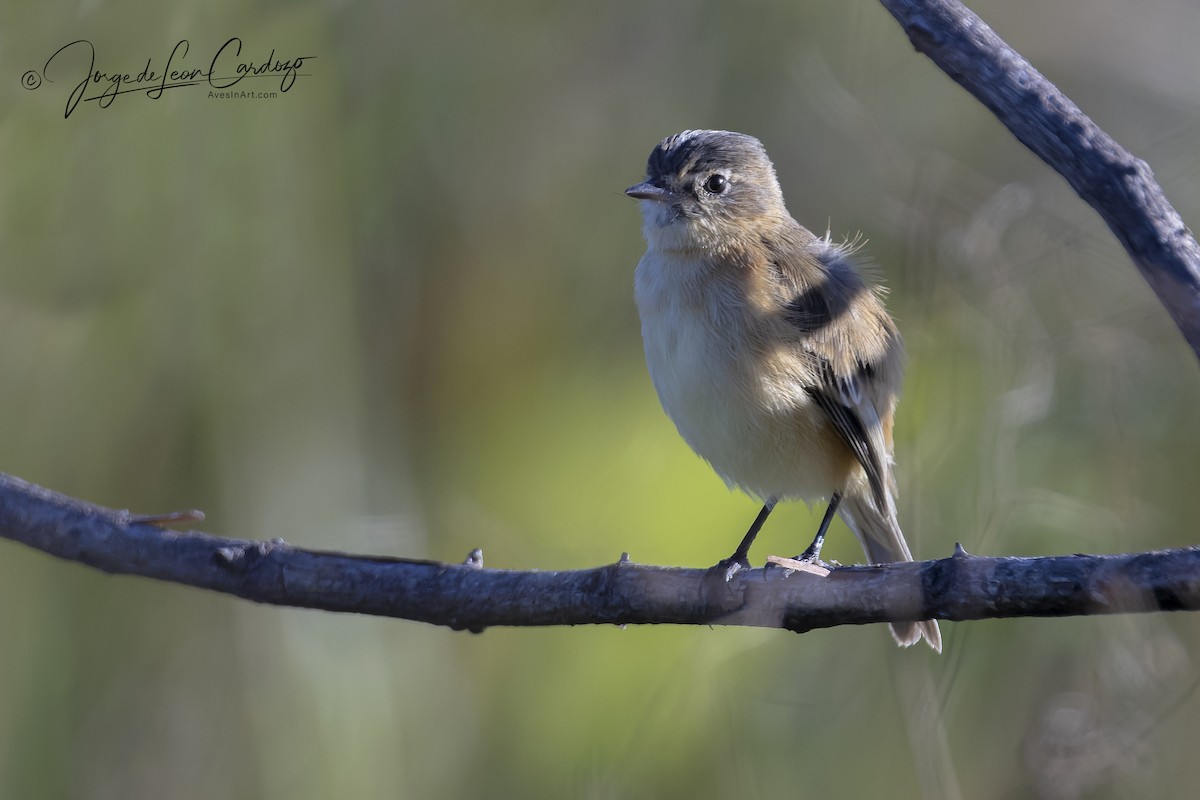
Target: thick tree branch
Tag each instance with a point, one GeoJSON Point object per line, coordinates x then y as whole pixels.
{"type": "Point", "coordinates": [467, 596]}
{"type": "Point", "coordinates": [1120, 187]}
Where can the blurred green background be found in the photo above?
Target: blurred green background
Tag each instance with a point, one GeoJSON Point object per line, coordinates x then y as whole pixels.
{"type": "Point", "coordinates": [390, 311]}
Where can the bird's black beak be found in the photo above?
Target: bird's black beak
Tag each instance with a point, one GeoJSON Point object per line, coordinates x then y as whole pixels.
{"type": "Point", "coordinates": [648, 191]}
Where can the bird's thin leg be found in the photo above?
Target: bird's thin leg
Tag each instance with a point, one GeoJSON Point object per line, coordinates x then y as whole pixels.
{"type": "Point", "coordinates": [739, 558]}
{"type": "Point", "coordinates": [813, 553]}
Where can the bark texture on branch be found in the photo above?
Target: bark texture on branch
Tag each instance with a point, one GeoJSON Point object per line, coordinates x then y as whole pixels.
{"type": "Point", "coordinates": [467, 596]}
{"type": "Point", "coordinates": [1119, 186]}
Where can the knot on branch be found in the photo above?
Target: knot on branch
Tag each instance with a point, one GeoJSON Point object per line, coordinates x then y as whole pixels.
{"type": "Point", "coordinates": [242, 558]}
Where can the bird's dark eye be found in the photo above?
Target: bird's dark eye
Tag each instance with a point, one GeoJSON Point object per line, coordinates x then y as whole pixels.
{"type": "Point", "coordinates": [716, 184]}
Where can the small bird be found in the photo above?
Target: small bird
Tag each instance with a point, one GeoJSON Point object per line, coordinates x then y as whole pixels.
{"type": "Point", "coordinates": [775, 359]}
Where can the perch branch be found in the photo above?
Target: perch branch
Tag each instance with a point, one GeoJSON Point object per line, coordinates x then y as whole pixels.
{"type": "Point", "coordinates": [468, 596]}
{"type": "Point", "coordinates": [1119, 186]}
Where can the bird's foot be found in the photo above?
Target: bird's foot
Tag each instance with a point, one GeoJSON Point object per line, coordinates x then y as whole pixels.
{"type": "Point", "coordinates": [728, 567]}
{"type": "Point", "coordinates": [812, 555]}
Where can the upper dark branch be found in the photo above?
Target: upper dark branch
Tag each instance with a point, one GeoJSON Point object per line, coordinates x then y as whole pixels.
{"type": "Point", "coordinates": [1120, 187]}
{"type": "Point", "coordinates": [466, 596]}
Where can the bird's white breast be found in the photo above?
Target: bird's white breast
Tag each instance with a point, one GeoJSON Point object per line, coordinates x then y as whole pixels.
{"type": "Point", "coordinates": [755, 425]}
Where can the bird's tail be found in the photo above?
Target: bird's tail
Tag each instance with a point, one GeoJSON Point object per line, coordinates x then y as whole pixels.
{"type": "Point", "coordinates": [884, 543]}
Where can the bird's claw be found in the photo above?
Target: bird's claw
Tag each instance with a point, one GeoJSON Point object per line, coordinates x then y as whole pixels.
{"type": "Point", "coordinates": [729, 567]}
{"type": "Point", "coordinates": [812, 555]}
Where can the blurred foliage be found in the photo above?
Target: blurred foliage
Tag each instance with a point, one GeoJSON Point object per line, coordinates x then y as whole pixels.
{"type": "Point", "coordinates": [390, 311]}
